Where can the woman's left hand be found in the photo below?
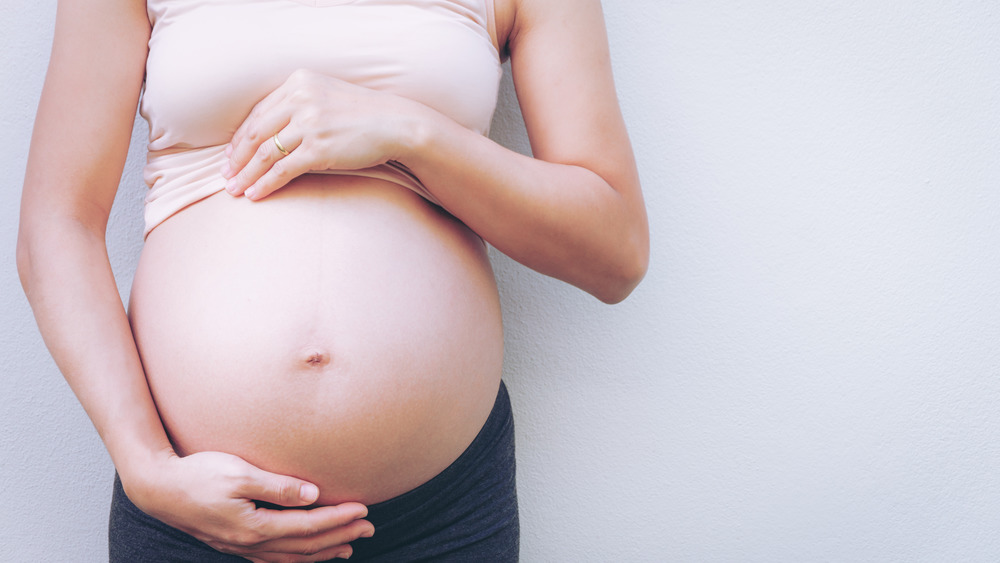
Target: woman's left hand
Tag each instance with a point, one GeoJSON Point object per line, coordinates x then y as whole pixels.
{"type": "Point", "coordinates": [322, 123]}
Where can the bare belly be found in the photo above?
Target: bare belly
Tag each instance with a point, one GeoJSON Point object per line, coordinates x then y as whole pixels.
{"type": "Point", "coordinates": [342, 331]}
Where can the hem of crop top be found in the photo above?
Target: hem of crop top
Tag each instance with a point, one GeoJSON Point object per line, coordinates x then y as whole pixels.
{"type": "Point", "coordinates": [160, 207]}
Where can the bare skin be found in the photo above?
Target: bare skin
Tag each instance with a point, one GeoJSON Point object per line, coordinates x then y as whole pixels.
{"type": "Point", "coordinates": [371, 369]}
{"type": "Point", "coordinates": [578, 205]}
{"type": "Point", "coordinates": [574, 212]}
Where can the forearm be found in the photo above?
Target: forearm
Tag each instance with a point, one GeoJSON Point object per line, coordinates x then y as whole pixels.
{"type": "Point", "coordinates": [68, 280]}
{"type": "Point", "coordinates": [66, 275]}
{"type": "Point", "coordinates": [562, 220]}
{"type": "Point", "coordinates": [574, 212]}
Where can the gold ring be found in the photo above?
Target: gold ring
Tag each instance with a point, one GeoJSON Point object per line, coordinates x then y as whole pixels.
{"type": "Point", "coordinates": [278, 144]}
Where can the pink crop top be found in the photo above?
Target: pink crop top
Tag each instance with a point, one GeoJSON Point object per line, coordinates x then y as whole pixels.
{"type": "Point", "coordinates": [210, 61]}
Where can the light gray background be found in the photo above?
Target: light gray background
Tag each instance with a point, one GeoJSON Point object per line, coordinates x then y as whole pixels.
{"type": "Point", "coordinates": [809, 371]}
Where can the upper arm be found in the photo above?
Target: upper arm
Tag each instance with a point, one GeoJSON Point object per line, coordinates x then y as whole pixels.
{"type": "Point", "coordinates": [86, 111]}
{"type": "Point", "coordinates": [562, 75]}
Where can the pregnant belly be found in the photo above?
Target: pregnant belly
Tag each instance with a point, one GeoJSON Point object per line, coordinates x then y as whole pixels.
{"type": "Point", "coordinates": [342, 331]}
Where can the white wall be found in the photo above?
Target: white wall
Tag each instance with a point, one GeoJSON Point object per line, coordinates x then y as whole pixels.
{"type": "Point", "coordinates": [809, 371]}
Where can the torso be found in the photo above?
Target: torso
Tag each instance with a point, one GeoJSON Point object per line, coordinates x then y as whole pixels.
{"type": "Point", "coordinates": [342, 330]}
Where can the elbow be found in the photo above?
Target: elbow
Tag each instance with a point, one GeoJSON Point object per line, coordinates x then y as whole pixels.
{"type": "Point", "coordinates": [628, 271]}
{"type": "Point", "coordinates": [616, 289]}
{"type": "Point", "coordinates": [630, 259]}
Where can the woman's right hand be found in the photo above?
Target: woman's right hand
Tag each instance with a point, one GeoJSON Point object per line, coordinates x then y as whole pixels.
{"type": "Point", "coordinates": [211, 495]}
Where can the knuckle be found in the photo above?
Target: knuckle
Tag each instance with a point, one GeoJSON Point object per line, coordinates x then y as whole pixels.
{"type": "Point", "coordinates": [247, 538]}
{"type": "Point", "coordinates": [281, 172]}
{"type": "Point", "coordinates": [299, 95]}
{"type": "Point", "coordinates": [234, 471]}
{"type": "Point", "coordinates": [287, 491]}
{"type": "Point", "coordinates": [310, 529]}
{"type": "Point", "coordinates": [309, 117]}
{"type": "Point", "coordinates": [230, 538]}
{"type": "Point", "coordinates": [263, 151]}
{"type": "Point", "coordinates": [309, 549]}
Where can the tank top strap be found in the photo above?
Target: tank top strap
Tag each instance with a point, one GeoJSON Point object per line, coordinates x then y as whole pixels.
{"type": "Point", "coordinates": [491, 24]}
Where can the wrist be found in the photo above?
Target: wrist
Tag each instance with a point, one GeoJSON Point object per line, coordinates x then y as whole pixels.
{"type": "Point", "coordinates": [415, 134]}
{"type": "Point", "coordinates": [142, 474]}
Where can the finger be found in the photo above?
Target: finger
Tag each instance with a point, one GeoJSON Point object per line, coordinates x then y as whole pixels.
{"type": "Point", "coordinates": [276, 524]}
{"type": "Point", "coordinates": [282, 490]}
{"type": "Point", "coordinates": [280, 173]}
{"type": "Point", "coordinates": [267, 116]}
{"type": "Point", "coordinates": [338, 536]}
{"type": "Point", "coordinates": [270, 114]}
{"type": "Point", "coordinates": [297, 531]}
{"type": "Point", "coordinates": [278, 97]}
{"type": "Point", "coordinates": [264, 158]}
{"type": "Point", "coordinates": [338, 552]}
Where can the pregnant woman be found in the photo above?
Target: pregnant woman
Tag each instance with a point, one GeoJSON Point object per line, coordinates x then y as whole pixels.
{"type": "Point", "coordinates": [313, 348]}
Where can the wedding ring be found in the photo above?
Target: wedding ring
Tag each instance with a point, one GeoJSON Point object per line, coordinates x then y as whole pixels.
{"type": "Point", "coordinates": [277, 143]}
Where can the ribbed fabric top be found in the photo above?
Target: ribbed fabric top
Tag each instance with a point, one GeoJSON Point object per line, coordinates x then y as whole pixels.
{"type": "Point", "coordinates": [211, 61]}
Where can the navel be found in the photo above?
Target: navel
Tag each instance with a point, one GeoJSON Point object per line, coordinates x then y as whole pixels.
{"type": "Point", "coordinates": [315, 357]}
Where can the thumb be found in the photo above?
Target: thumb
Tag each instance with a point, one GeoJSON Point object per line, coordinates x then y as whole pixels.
{"type": "Point", "coordinates": [278, 489]}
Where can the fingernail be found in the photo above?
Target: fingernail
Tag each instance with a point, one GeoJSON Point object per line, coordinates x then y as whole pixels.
{"type": "Point", "coordinates": [226, 170]}
{"type": "Point", "coordinates": [229, 149]}
{"type": "Point", "coordinates": [368, 534]}
{"type": "Point", "coordinates": [343, 555]}
{"type": "Point", "coordinates": [250, 193]}
{"type": "Point", "coordinates": [231, 186]}
{"type": "Point", "coordinates": [308, 492]}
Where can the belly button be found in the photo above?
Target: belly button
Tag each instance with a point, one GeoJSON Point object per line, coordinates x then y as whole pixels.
{"type": "Point", "coordinates": [316, 358]}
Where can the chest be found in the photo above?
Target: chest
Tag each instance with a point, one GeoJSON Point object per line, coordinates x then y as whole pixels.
{"type": "Point", "coordinates": [210, 61]}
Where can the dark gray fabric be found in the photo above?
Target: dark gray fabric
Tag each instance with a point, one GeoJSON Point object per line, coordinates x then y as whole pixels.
{"type": "Point", "coordinates": [468, 512]}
